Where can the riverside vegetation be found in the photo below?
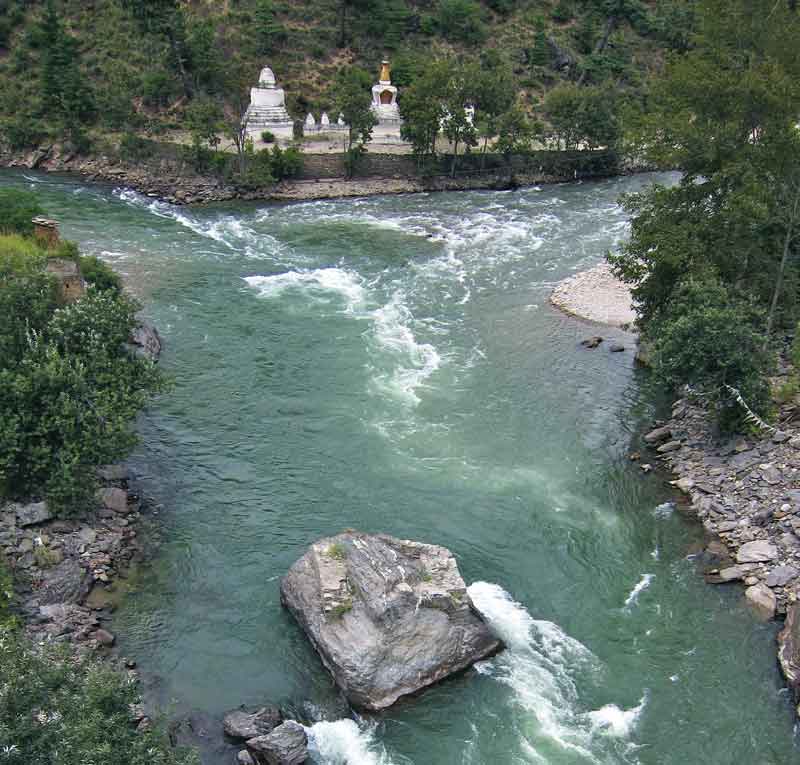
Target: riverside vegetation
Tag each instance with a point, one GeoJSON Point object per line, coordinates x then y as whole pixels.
{"type": "Point", "coordinates": [114, 79]}
{"type": "Point", "coordinates": [70, 386]}
{"type": "Point", "coordinates": [713, 260]}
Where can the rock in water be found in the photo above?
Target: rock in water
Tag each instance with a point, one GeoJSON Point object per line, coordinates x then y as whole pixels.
{"type": "Point", "coordinates": [387, 616]}
{"type": "Point", "coordinates": [286, 745]}
{"type": "Point", "coordinates": [242, 725]}
{"type": "Point", "coordinates": [761, 600]}
{"type": "Point", "coordinates": [789, 650]}
{"type": "Point", "coordinates": [145, 340]}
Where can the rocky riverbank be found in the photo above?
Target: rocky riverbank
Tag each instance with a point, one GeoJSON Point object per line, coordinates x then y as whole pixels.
{"type": "Point", "coordinates": [173, 181]}
{"type": "Point", "coordinates": [746, 492]}
{"type": "Point", "coordinates": [66, 570]}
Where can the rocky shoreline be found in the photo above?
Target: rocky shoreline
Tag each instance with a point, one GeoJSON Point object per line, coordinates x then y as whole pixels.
{"type": "Point", "coordinates": [171, 181]}
{"type": "Point", "coordinates": [66, 571]}
{"type": "Point", "coordinates": [746, 492]}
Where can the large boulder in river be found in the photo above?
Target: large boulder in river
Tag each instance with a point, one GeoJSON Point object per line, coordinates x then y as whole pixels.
{"type": "Point", "coordinates": [387, 616]}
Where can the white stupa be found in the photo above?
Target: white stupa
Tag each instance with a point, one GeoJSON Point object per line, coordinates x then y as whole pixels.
{"type": "Point", "coordinates": [267, 110]}
{"type": "Point", "coordinates": [384, 99]}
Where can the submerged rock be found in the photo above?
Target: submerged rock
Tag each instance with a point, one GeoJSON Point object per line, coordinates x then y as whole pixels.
{"type": "Point", "coordinates": [761, 600]}
{"type": "Point", "coordinates": [286, 745]}
{"type": "Point", "coordinates": [387, 616]}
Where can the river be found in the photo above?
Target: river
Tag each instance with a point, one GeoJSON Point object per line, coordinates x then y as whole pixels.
{"type": "Point", "coordinates": [392, 364]}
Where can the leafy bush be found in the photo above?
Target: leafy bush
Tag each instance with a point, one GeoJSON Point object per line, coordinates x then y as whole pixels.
{"type": "Point", "coordinates": [59, 708]}
{"type": "Point", "coordinates": [17, 209]}
{"type": "Point", "coordinates": [132, 148]}
{"type": "Point", "coordinates": [268, 136]}
{"type": "Point", "coordinates": [98, 273]}
{"type": "Point", "coordinates": [707, 337]}
{"type": "Point", "coordinates": [69, 388]}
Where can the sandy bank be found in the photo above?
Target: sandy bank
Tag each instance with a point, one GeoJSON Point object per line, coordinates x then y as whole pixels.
{"type": "Point", "coordinates": [596, 295]}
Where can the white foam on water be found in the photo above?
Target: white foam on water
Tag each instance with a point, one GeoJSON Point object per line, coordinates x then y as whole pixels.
{"type": "Point", "coordinates": [343, 742]}
{"type": "Point", "coordinates": [664, 510]}
{"type": "Point", "coordinates": [614, 721]}
{"type": "Point", "coordinates": [319, 283]}
{"type": "Point", "coordinates": [537, 666]}
{"type": "Point", "coordinates": [641, 585]}
{"type": "Point", "coordinates": [402, 364]}
{"type": "Point", "coordinates": [540, 665]}
{"type": "Point", "coordinates": [229, 230]}
{"type": "Point", "coordinates": [414, 362]}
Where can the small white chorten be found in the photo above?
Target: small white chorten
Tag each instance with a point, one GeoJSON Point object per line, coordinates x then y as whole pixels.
{"type": "Point", "coordinates": [311, 123]}
{"type": "Point", "coordinates": [324, 121]}
{"type": "Point", "coordinates": [267, 110]}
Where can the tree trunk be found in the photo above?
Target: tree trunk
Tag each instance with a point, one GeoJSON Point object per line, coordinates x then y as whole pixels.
{"type": "Point", "coordinates": [455, 158]}
{"type": "Point", "coordinates": [787, 243]}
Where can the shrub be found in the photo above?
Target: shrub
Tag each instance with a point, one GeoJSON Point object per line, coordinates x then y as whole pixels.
{"type": "Point", "coordinates": [133, 148]}
{"type": "Point", "coordinates": [707, 337]}
{"type": "Point", "coordinates": [268, 136]}
{"type": "Point", "coordinates": [69, 388]}
{"type": "Point", "coordinates": [98, 273]}
{"type": "Point", "coordinates": [17, 209]}
{"type": "Point", "coordinates": [61, 708]}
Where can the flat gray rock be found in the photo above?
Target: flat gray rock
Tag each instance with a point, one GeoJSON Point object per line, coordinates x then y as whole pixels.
{"type": "Point", "coordinates": [32, 513]}
{"type": "Point", "coordinates": [757, 551]}
{"type": "Point", "coordinates": [387, 616]}
{"type": "Point", "coordinates": [780, 576]}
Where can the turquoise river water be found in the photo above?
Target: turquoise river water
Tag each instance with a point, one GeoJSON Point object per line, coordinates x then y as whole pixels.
{"type": "Point", "coordinates": [392, 364]}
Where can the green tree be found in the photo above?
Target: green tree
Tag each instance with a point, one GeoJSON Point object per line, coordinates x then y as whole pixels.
{"type": "Point", "coordinates": [423, 110]}
{"type": "Point", "coordinates": [709, 338]}
{"type": "Point", "coordinates": [352, 99]}
{"type": "Point", "coordinates": [66, 94]}
{"type": "Point", "coordinates": [725, 111]}
{"type": "Point", "coordinates": [582, 116]}
{"type": "Point", "coordinates": [267, 30]}
{"type": "Point", "coordinates": [460, 20]}
{"type": "Point", "coordinates": [495, 92]}
{"type": "Point", "coordinates": [514, 135]}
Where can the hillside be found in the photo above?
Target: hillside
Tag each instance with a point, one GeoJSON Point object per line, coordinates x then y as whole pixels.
{"type": "Point", "coordinates": [74, 69]}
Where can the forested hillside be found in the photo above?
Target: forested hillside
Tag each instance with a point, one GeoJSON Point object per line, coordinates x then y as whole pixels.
{"type": "Point", "coordinates": [76, 70]}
